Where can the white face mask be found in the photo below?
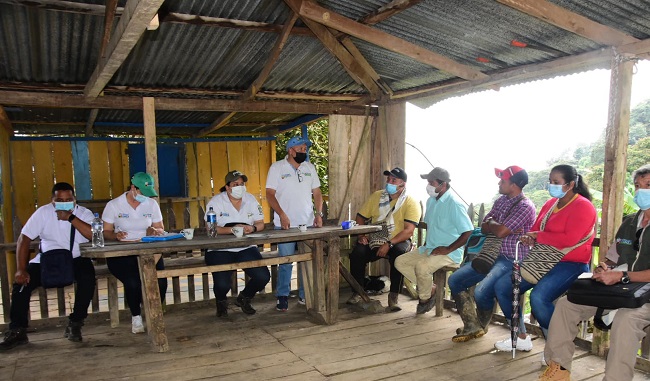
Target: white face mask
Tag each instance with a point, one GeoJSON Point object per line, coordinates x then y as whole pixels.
{"type": "Point", "coordinates": [431, 190]}
{"type": "Point", "coordinates": [238, 191]}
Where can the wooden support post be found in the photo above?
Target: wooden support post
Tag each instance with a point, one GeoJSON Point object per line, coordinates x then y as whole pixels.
{"type": "Point", "coordinates": [151, 303]}
{"type": "Point", "coordinates": [616, 142]}
{"type": "Point", "coordinates": [150, 149]}
{"type": "Point", "coordinates": [6, 131]}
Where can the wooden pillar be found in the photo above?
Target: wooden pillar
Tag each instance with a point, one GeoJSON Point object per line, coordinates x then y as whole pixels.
{"type": "Point", "coordinates": [6, 131]}
{"type": "Point", "coordinates": [150, 150]}
{"type": "Point", "coordinates": [616, 142]}
{"type": "Point", "coordinates": [391, 135]}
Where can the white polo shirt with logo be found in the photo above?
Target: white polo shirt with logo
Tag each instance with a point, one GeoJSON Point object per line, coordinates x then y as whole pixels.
{"type": "Point", "coordinates": [132, 221]}
{"type": "Point", "coordinates": [249, 212]}
{"type": "Point", "coordinates": [293, 190]}
{"type": "Point", "coordinates": [55, 233]}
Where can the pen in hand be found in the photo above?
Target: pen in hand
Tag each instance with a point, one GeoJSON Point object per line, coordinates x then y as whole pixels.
{"type": "Point", "coordinates": [21, 288]}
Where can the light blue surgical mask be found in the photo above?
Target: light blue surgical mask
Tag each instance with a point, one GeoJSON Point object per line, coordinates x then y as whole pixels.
{"type": "Point", "coordinates": [555, 190]}
{"type": "Point", "coordinates": [391, 188]}
{"type": "Point", "coordinates": [140, 198]}
{"type": "Point", "coordinates": [67, 205]}
{"type": "Point", "coordinates": [642, 198]}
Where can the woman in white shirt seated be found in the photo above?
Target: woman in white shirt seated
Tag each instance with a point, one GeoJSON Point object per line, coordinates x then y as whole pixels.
{"type": "Point", "coordinates": [235, 207]}
{"type": "Point", "coordinates": [130, 217]}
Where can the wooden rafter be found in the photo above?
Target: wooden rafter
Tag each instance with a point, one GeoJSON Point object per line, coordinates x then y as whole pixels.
{"type": "Point", "coordinates": [23, 98]}
{"type": "Point", "coordinates": [63, 6]}
{"type": "Point", "coordinates": [570, 21]}
{"type": "Point", "coordinates": [261, 78]}
{"type": "Point", "coordinates": [132, 24]}
{"type": "Point", "coordinates": [351, 65]}
{"type": "Point", "coordinates": [183, 18]}
{"type": "Point", "coordinates": [387, 11]}
{"type": "Point", "coordinates": [311, 11]}
{"type": "Point", "coordinates": [91, 121]}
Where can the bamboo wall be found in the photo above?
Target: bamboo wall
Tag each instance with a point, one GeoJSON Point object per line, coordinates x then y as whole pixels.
{"type": "Point", "coordinates": [99, 170]}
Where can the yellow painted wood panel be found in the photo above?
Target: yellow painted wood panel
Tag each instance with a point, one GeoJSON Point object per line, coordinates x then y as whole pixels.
{"type": "Point", "coordinates": [219, 164]}
{"type": "Point", "coordinates": [235, 156]}
{"type": "Point", "coordinates": [23, 180]}
{"type": "Point", "coordinates": [179, 212]}
{"type": "Point", "coordinates": [99, 174]}
{"type": "Point", "coordinates": [5, 172]}
{"type": "Point", "coordinates": [43, 171]}
{"type": "Point", "coordinates": [62, 153]}
{"type": "Point", "coordinates": [192, 184]}
{"type": "Point", "coordinates": [204, 172]}
{"type": "Point", "coordinates": [252, 168]}
{"type": "Point", "coordinates": [266, 158]}
{"type": "Point", "coordinates": [115, 168]}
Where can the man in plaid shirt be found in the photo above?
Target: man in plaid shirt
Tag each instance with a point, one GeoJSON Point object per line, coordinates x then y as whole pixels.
{"type": "Point", "coordinates": [512, 215]}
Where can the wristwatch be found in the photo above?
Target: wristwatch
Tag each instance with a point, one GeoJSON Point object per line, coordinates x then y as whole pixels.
{"type": "Point", "coordinates": [320, 214]}
{"type": "Point", "coordinates": [390, 244]}
{"type": "Point", "coordinates": [625, 279]}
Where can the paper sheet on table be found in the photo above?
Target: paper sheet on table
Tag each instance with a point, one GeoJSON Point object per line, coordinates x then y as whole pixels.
{"type": "Point", "coordinates": [622, 267]}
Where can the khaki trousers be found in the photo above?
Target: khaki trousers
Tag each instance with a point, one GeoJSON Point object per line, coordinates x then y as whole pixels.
{"type": "Point", "coordinates": [419, 269]}
{"type": "Point", "coordinates": [625, 336]}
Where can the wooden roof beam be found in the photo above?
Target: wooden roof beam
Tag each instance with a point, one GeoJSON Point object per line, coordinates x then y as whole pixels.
{"type": "Point", "coordinates": [570, 21]}
{"type": "Point", "coordinates": [59, 100]}
{"type": "Point", "coordinates": [334, 20]}
{"type": "Point", "coordinates": [184, 18]}
{"type": "Point", "coordinates": [387, 11]}
{"type": "Point", "coordinates": [351, 65]}
{"type": "Point", "coordinates": [5, 122]}
{"type": "Point", "coordinates": [133, 23]}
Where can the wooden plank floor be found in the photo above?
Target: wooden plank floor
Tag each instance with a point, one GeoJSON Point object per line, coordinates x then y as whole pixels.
{"type": "Point", "coordinates": [274, 345]}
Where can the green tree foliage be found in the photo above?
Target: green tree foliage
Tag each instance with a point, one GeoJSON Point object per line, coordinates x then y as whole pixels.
{"type": "Point", "coordinates": [589, 159]}
{"type": "Point", "coordinates": [318, 133]}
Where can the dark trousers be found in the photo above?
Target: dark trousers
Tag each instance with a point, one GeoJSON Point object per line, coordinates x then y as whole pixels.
{"type": "Point", "coordinates": [127, 271]}
{"type": "Point", "coordinates": [84, 276]}
{"type": "Point", "coordinates": [362, 254]}
{"type": "Point", "coordinates": [259, 276]}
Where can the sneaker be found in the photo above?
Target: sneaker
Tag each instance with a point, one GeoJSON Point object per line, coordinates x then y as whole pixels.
{"type": "Point", "coordinates": [14, 338]}
{"type": "Point", "coordinates": [505, 345]}
{"type": "Point", "coordinates": [245, 304]}
{"type": "Point", "coordinates": [555, 373]}
{"type": "Point", "coordinates": [136, 324]}
{"type": "Point", "coordinates": [354, 299]}
{"type": "Point", "coordinates": [425, 307]}
{"type": "Point", "coordinates": [282, 304]}
{"type": "Point", "coordinates": [302, 301]}
{"type": "Point", "coordinates": [222, 308]}
{"type": "Point", "coordinates": [73, 331]}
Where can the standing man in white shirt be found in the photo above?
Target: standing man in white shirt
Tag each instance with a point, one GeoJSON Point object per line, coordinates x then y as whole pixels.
{"type": "Point", "coordinates": [290, 185]}
{"type": "Point", "coordinates": [52, 223]}
{"type": "Point", "coordinates": [236, 207]}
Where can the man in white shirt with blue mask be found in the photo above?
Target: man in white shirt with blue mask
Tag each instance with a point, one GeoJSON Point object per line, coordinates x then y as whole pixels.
{"type": "Point", "coordinates": [54, 223]}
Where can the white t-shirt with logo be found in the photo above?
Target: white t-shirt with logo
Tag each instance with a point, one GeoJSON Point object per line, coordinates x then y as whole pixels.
{"type": "Point", "coordinates": [54, 233]}
{"type": "Point", "coordinates": [293, 190]}
{"type": "Point", "coordinates": [132, 221]}
{"type": "Point", "coordinates": [249, 212]}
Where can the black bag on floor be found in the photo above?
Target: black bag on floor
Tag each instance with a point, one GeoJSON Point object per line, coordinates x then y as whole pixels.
{"type": "Point", "coordinates": [57, 268]}
{"type": "Point", "coordinates": [588, 292]}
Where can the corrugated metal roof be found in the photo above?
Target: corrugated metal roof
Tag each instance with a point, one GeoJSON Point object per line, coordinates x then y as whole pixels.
{"type": "Point", "coordinates": [46, 48]}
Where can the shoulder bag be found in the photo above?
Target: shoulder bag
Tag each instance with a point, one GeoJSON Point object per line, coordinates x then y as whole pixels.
{"type": "Point", "coordinates": [57, 268]}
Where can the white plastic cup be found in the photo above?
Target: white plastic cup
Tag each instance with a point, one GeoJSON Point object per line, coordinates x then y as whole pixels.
{"type": "Point", "coordinates": [188, 233]}
{"type": "Point", "coordinates": [302, 228]}
{"type": "Point", "coordinates": [238, 231]}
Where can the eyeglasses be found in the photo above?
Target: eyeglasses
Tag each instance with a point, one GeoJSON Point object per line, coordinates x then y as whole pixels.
{"type": "Point", "coordinates": [636, 245]}
{"type": "Point", "coordinates": [299, 174]}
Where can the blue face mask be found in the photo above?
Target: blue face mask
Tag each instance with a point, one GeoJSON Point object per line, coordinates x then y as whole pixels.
{"type": "Point", "coordinates": [68, 205]}
{"type": "Point", "coordinates": [642, 198]}
{"type": "Point", "coordinates": [391, 188]}
{"type": "Point", "coordinates": [140, 198]}
{"type": "Point", "coordinates": [555, 190]}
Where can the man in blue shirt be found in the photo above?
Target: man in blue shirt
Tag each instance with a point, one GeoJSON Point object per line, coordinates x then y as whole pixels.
{"type": "Point", "coordinates": [448, 229]}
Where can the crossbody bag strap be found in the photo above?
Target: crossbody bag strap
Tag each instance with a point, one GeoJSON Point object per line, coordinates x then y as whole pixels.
{"type": "Point", "coordinates": [72, 233]}
{"type": "Point", "coordinates": [548, 215]}
{"type": "Point", "coordinates": [512, 207]}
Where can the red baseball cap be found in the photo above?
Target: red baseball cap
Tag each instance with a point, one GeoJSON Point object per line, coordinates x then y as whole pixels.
{"type": "Point", "coordinates": [515, 174]}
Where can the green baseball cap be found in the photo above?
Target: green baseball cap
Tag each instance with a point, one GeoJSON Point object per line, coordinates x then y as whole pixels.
{"type": "Point", "coordinates": [144, 182]}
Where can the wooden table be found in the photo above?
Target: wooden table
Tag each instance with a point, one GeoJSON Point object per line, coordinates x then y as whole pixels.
{"type": "Point", "coordinates": [325, 301]}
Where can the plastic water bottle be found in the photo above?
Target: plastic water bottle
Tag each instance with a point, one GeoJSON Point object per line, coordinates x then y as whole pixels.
{"type": "Point", "coordinates": [98, 231]}
{"type": "Point", "coordinates": [211, 225]}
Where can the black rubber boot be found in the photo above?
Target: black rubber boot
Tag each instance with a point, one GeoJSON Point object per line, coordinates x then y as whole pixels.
{"type": "Point", "coordinates": [245, 304]}
{"type": "Point", "coordinates": [484, 318]}
{"type": "Point", "coordinates": [471, 327]}
{"type": "Point", "coordinates": [222, 308]}
{"type": "Point", "coordinates": [14, 338]}
{"type": "Point", "coordinates": [73, 331]}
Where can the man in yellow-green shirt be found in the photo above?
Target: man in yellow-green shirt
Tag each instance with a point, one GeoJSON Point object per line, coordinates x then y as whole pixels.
{"type": "Point", "coordinates": [399, 215]}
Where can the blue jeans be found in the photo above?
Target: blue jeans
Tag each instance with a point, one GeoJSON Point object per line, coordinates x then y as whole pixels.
{"type": "Point", "coordinates": [555, 283]}
{"type": "Point", "coordinates": [484, 292]}
{"type": "Point", "coordinates": [259, 276]}
{"type": "Point", "coordinates": [284, 271]}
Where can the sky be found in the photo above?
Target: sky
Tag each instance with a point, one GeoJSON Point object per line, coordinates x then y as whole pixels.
{"type": "Point", "coordinates": [524, 125]}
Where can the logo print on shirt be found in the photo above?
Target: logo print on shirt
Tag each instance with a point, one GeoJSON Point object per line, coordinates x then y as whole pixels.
{"type": "Point", "coordinates": [224, 214]}
{"type": "Point", "coordinates": [122, 215]}
{"type": "Point", "coordinates": [147, 215]}
{"type": "Point", "coordinates": [286, 175]}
